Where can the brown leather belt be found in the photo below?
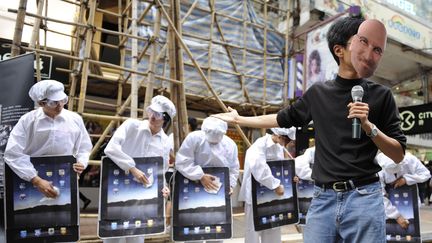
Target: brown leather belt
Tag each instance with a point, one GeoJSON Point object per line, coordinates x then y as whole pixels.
{"type": "Point", "coordinates": [343, 186]}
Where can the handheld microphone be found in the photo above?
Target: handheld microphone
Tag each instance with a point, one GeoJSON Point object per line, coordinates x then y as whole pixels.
{"type": "Point", "coordinates": [357, 96]}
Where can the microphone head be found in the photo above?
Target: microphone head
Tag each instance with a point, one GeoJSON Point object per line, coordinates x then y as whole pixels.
{"type": "Point", "coordinates": [357, 93]}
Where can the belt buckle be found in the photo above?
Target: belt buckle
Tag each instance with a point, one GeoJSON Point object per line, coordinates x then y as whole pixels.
{"type": "Point", "coordinates": [336, 186]}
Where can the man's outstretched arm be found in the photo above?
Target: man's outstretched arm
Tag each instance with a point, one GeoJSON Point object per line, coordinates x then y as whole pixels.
{"type": "Point", "coordinates": [263, 121]}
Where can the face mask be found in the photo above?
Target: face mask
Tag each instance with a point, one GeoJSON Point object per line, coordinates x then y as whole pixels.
{"type": "Point", "coordinates": [214, 137]}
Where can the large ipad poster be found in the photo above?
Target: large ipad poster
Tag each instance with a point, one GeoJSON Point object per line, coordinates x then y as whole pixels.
{"type": "Point", "coordinates": [199, 214]}
{"type": "Point", "coordinates": [269, 209]}
{"type": "Point", "coordinates": [405, 199]}
{"type": "Point", "coordinates": [305, 190]}
{"type": "Point", "coordinates": [128, 207]}
{"type": "Point", "coordinates": [32, 217]}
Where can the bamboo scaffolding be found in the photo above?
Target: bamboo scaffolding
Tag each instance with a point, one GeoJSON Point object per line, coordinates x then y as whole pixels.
{"type": "Point", "coordinates": [241, 79]}
{"type": "Point", "coordinates": [151, 40]}
{"type": "Point", "coordinates": [200, 71]}
{"type": "Point", "coordinates": [126, 16]}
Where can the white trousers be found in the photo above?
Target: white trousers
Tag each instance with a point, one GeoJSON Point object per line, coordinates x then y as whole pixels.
{"type": "Point", "coordinates": [136, 239]}
{"type": "Point", "coordinates": [251, 236]}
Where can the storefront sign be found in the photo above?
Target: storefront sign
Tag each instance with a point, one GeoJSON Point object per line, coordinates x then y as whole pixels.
{"type": "Point", "coordinates": [416, 119]}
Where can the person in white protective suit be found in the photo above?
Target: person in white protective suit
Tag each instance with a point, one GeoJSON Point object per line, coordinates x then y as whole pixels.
{"type": "Point", "coordinates": [408, 172]}
{"type": "Point", "coordinates": [47, 130]}
{"type": "Point", "coordinates": [303, 164]}
{"type": "Point", "coordinates": [266, 148]}
{"type": "Point", "coordinates": [135, 138]}
{"type": "Point", "coordinates": [209, 147]}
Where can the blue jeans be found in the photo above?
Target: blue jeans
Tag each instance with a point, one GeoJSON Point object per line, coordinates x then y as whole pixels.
{"type": "Point", "coordinates": [354, 216]}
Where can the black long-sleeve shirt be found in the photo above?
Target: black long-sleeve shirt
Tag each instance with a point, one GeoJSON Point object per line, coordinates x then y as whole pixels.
{"type": "Point", "coordinates": [338, 156]}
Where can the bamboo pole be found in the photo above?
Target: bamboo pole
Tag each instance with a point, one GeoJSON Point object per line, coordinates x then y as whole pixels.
{"type": "Point", "coordinates": [201, 73]}
{"type": "Point", "coordinates": [128, 6]}
{"type": "Point", "coordinates": [50, 53]}
{"type": "Point", "coordinates": [134, 64]}
{"type": "Point", "coordinates": [189, 12]}
{"type": "Point", "coordinates": [264, 101]}
{"type": "Point", "coordinates": [35, 37]}
{"type": "Point", "coordinates": [152, 62]}
{"type": "Point", "coordinates": [122, 26]}
{"type": "Point", "coordinates": [210, 52]}
{"type": "Point", "coordinates": [71, 2]}
{"type": "Point", "coordinates": [75, 51]}
{"type": "Point", "coordinates": [45, 23]}
{"type": "Point", "coordinates": [19, 25]}
{"type": "Point", "coordinates": [287, 40]}
{"type": "Point", "coordinates": [244, 16]}
{"type": "Point", "coordinates": [108, 12]}
{"type": "Point", "coordinates": [173, 74]}
{"type": "Point", "coordinates": [180, 127]}
{"type": "Point", "coordinates": [181, 98]}
{"type": "Point", "coordinates": [47, 18]}
{"type": "Point", "coordinates": [87, 51]}
{"type": "Point", "coordinates": [36, 26]}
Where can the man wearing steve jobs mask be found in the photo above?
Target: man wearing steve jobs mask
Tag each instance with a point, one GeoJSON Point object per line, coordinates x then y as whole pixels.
{"type": "Point", "coordinates": [209, 147]}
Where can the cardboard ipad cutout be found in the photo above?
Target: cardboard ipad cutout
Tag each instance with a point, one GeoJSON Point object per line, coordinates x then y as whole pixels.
{"type": "Point", "coordinates": [405, 199]}
{"type": "Point", "coordinates": [32, 217]}
{"type": "Point", "coordinates": [269, 209]}
{"type": "Point", "coordinates": [199, 214]}
{"type": "Point", "coordinates": [128, 207]}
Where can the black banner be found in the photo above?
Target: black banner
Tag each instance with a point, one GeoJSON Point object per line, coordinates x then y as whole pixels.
{"type": "Point", "coordinates": [16, 79]}
{"type": "Point", "coordinates": [416, 119]}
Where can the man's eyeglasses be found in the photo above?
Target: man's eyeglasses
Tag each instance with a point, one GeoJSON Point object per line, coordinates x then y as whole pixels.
{"type": "Point", "coordinates": [55, 103]}
{"type": "Point", "coordinates": [365, 42]}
